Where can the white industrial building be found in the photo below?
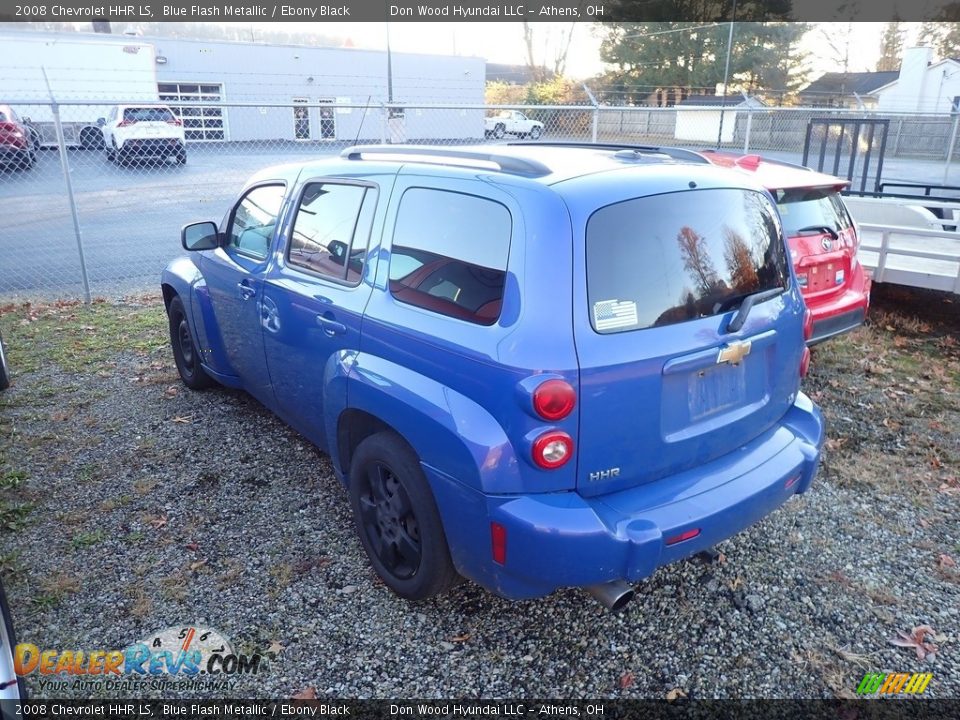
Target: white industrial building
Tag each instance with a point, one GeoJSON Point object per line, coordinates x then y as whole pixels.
{"type": "Point", "coordinates": [240, 91]}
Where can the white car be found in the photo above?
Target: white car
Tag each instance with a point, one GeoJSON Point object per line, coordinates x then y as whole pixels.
{"type": "Point", "coordinates": [143, 132]}
{"type": "Point", "coordinates": [512, 122]}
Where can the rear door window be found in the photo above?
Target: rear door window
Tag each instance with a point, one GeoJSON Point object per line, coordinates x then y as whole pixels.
{"type": "Point", "coordinates": [666, 259]}
{"type": "Point", "coordinates": [449, 254]}
{"type": "Point", "coordinates": [811, 208]}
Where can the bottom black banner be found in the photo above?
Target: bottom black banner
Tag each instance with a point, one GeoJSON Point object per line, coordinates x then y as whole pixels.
{"type": "Point", "coordinates": [879, 709]}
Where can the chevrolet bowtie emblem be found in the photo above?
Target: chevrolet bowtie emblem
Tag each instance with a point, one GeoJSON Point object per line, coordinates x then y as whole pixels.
{"type": "Point", "coordinates": [734, 353]}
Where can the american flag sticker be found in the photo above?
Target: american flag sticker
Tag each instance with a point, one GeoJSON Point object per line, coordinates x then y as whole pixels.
{"type": "Point", "coordinates": [611, 314]}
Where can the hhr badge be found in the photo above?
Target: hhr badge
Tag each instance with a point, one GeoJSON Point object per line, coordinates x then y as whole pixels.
{"type": "Point", "coordinates": [734, 353]}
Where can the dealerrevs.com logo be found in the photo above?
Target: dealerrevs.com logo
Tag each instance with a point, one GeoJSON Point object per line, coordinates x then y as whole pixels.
{"type": "Point", "coordinates": [181, 658]}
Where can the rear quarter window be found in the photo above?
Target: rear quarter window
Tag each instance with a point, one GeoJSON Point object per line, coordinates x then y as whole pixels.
{"type": "Point", "coordinates": [665, 259]}
{"type": "Point", "coordinates": [449, 254]}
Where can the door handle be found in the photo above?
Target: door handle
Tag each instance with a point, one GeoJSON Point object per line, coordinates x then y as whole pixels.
{"type": "Point", "coordinates": [246, 292]}
{"type": "Point", "coordinates": [330, 326]}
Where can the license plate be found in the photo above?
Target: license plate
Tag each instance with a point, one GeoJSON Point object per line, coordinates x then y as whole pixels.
{"type": "Point", "coordinates": [716, 389]}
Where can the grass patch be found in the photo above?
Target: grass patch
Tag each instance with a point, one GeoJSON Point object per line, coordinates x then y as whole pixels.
{"type": "Point", "coordinates": [13, 516]}
{"type": "Point", "coordinates": [13, 479]}
{"type": "Point", "coordinates": [79, 337]}
{"type": "Point", "coordinates": [87, 539]}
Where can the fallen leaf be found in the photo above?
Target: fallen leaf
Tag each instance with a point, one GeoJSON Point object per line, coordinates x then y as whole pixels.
{"type": "Point", "coordinates": [833, 444]}
{"type": "Point", "coordinates": [675, 694]}
{"type": "Point", "coordinates": [626, 680]}
{"type": "Point", "coordinates": [309, 693]}
{"type": "Point", "coordinates": [275, 647]}
{"type": "Point", "coordinates": [916, 639]}
{"type": "Point", "coordinates": [460, 638]}
{"type": "Point", "coordinates": [159, 522]}
{"type": "Point", "coordinates": [945, 561]}
{"type": "Point", "coordinates": [924, 522]}
{"type": "Point", "coordinates": [935, 463]}
{"type": "Point", "coordinates": [721, 559]}
{"type": "Point", "coordinates": [171, 391]}
{"type": "Point", "coordinates": [198, 564]}
{"type": "Point", "coordinates": [186, 419]}
{"type": "Point", "coordinates": [192, 546]}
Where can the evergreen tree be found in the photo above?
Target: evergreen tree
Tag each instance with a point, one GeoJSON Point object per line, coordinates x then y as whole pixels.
{"type": "Point", "coordinates": [671, 60]}
{"type": "Point", "coordinates": [891, 47]}
{"type": "Point", "coordinates": [943, 37]}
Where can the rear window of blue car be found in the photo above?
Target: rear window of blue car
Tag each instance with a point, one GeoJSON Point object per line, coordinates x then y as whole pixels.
{"type": "Point", "coordinates": [666, 259]}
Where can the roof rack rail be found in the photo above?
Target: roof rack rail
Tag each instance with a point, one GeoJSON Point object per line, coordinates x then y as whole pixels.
{"type": "Point", "coordinates": [674, 152]}
{"type": "Point", "coordinates": [448, 156]}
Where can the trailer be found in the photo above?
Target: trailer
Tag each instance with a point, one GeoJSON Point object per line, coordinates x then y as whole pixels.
{"type": "Point", "coordinates": [38, 70]}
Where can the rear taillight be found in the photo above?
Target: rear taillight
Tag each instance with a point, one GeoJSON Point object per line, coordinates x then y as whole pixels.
{"type": "Point", "coordinates": [807, 325]}
{"type": "Point", "coordinates": [175, 121]}
{"type": "Point", "coordinates": [126, 123]}
{"type": "Point", "coordinates": [805, 362]}
{"type": "Point", "coordinates": [554, 399]}
{"type": "Point", "coordinates": [552, 449]}
{"type": "Point", "coordinates": [498, 543]}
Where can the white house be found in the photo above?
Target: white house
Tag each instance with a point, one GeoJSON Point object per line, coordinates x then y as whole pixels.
{"type": "Point", "coordinates": [922, 86]}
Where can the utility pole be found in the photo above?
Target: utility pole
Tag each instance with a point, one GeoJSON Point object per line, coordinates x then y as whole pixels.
{"type": "Point", "coordinates": [726, 73]}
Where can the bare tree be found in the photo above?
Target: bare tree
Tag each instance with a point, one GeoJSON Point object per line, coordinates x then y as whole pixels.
{"type": "Point", "coordinates": [558, 63]}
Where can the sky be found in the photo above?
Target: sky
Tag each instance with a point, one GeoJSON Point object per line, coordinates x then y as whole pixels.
{"type": "Point", "coordinates": [502, 42]}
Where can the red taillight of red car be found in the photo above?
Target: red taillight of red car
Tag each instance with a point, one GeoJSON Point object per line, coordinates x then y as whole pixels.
{"type": "Point", "coordinates": [554, 399]}
{"type": "Point", "coordinates": [805, 362]}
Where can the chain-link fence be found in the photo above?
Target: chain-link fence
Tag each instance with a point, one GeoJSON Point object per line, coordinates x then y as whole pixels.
{"type": "Point", "coordinates": [93, 201]}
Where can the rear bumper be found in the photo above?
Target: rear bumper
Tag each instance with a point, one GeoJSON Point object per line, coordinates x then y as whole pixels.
{"type": "Point", "coordinates": [842, 313]}
{"type": "Point", "coordinates": [151, 147]}
{"type": "Point", "coordinates": [559, 540]}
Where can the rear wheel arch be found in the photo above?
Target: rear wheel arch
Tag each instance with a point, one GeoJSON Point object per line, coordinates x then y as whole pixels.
{"type": "Point", "coordinates": [353, 427]}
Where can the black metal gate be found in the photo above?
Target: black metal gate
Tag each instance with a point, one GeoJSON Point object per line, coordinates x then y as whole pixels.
{"type": "Point", "coordinates": [855, 144]}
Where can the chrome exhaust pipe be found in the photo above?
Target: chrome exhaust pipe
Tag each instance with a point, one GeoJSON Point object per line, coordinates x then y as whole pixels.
{"type": "Point", "coordinates": [614, 595]}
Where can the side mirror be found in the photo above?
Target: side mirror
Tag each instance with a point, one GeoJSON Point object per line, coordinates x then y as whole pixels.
{"type": "Point", "coordinates": [200, 236]}
{"type": "Point", "coordinates": [101, 122]}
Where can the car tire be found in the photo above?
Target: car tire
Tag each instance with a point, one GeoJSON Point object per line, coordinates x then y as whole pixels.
{"type": "Point", "coordinates": [185, 353]}
{"type": "Point", "coordinates": [34, 139]}
{"type": "Point", "coordinates": [397, 518]}
{"type": "Point", "coordinates": [181, 156]}
{"type": "Point", "coordinates": [4, 368]}
{"type": "Point", "coordinates": [499, 131]}
{"type": "Point", "coordinates": [27, 161]}
{"type": "Point", "coordinates": [8, 642]}
{"type": "Point", "coordinates": [535, 133]}
{"type": "Point", "coordinates": [91, 138]}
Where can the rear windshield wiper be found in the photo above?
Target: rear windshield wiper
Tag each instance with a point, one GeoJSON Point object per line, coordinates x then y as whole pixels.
{"type": "Point", "coordinates": [821, 229]}
{"type": "Point", "coordinates": [747, 305]}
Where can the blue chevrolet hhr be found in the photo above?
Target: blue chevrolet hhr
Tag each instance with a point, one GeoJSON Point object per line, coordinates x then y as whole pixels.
{"type": "Point", "coordinates": [535, 366]}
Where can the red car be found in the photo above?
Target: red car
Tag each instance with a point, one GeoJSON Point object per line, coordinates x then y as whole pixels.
{"type": "Point", "coordinates": [822, 239]}
{"type": "Point", "coordinates": [16, 148]}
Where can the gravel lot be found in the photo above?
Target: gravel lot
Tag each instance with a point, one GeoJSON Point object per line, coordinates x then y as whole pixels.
{"type": "Point", "coordinates": [130, 504]}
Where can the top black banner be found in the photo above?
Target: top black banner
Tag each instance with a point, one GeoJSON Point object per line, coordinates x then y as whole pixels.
{"type": "Point", "coordinates": [480, 10]}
